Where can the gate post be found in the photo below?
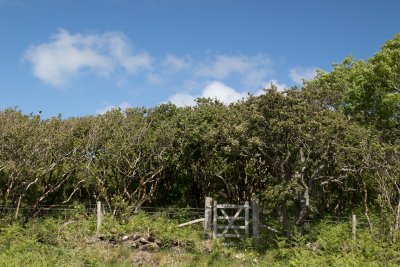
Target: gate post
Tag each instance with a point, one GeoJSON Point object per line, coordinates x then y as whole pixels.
{"type": "Point", "coordinates": [256, 222]}
{"type": "Point", "coordinates": [98, 224]}
{"type": "Point", "coordinates": [354, 227]}
{"type": "Point", "coordinates": [215, 213]}
{"type": "Point", "coordinates": [246, 218]}
{"type": "Point", "coordinates": [208, 217]}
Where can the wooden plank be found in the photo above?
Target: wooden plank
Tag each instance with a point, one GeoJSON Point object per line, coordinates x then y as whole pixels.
{"type": "Point", "coordinates": [233, 220]}
{"type": "Point", "coordinates": [230, 221]}
{"type": "Point", "coordinates": [230, 235]}
{"type": "Point", "coordinates": [191, 222]}
{"type": "Point", "coordinates": [228, 218]}
{"type": "Point", "coordinates": [208, 217]}
{"type": "Point", "coordinates": [231, 206]}
{"type": "Point", "coordinates": [232, 227]}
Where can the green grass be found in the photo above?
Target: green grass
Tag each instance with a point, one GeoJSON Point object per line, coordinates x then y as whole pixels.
{"type": "Point", "coordinates": [58, 242]}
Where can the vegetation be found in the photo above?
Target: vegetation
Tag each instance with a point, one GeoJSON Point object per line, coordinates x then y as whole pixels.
{"type": "Point", "coordinates": [52, 242]}
{"type": "Point", "coordinates": [328, 149]}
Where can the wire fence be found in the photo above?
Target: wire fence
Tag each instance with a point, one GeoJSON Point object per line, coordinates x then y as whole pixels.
{"type": "Point", "coordinates": [170, 212]}
{"type": "Point", "coordinates": [68, 211]}
{"type": "Point", "coordinates": [180, 215]}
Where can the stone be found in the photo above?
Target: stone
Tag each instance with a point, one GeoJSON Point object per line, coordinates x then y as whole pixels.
{"type": "Point", "coordinates": [143, 240]}
{"type": "Point", "coordinates": [150, 247]}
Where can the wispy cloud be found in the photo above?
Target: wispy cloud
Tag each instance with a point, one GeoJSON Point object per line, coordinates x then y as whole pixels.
{"type": "Point", "coordinates": [122, 106]}
{"type": "Point", "coordinates": [66, 55]}
{"type": "Point", "coordinates": [214, 90]}
{"type": "Point", "coordinates": [168, 68]}
{"type": "Point", "coordinates": [175, 63]}
{"type": "Point", "coordinates": [298, 74]}
{"type": "Point", "coordinates": [183, 100]}
{"type": "Point", "coordinates": [254, 70]}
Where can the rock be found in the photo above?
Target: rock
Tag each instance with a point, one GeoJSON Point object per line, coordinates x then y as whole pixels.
{"type": "Point", "coordinates": [131, 244]}
{"type": "Point", "coordinates": [135, 236]}
{"type": "Point", "coordinates": [140, 241]}
{"type": "Point", "coordinates": [113, 242]}
{"type": "Point", "coordinates": [143, 241]}
{"type": "Point", "coordinates": [151, 247]}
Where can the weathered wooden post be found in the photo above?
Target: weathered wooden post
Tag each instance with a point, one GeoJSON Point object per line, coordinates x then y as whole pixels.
{"type": "Point", "coordinates": [354, 226]}
{"type": "Point", "coordinates": [246, 218]}
{"type": "Point", "coordinates": [255, 206]}
{"type": "Point", "coordinates": [98, 225]}
{"type": "Point", "coordinates": [17, 210]}
{"type": "Point", "coordinates": [208, 218]}
{"type": "Point", "coordinates": [215, 232]}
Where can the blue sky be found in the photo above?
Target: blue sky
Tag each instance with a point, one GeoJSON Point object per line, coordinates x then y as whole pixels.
{"type": "Point", "coordinates": [84, 57]}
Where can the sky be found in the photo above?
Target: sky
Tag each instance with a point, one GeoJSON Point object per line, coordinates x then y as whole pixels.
{"type": "Point", "coordinates": [84, 57]}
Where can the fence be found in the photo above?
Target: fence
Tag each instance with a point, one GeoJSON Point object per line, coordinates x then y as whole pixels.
{"type": "Point", "coordinates": [188, 216]}
{"type": "Point", "coordinates": [92, 209]}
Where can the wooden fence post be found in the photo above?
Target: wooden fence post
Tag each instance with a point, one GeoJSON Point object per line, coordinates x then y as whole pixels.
{"type": "Point", "coordinates": [256, 222]}
{"type": "Point", "coordinates": [215, 232]}
{"type": "Point", "coordinates": [354, 226]}
{"type": "Point", "coordinates": [208, 218]}
{"type": "Point", "coordinates": [98, 225]}
{"type": "Point", "coordinates": [246, 218]}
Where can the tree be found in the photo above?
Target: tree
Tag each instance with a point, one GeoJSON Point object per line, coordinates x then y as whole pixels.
{"type": "Point", "coordinates": [366, 91]}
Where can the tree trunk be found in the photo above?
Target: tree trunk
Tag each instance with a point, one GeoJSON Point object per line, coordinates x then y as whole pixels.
{"type": "Point", "coordinates": [285, 219]}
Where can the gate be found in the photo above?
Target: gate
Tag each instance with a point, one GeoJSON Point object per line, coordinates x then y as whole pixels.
{"type": "Point", "coordinates": [231, 221]}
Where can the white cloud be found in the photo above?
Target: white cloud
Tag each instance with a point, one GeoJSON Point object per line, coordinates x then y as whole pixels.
{"type": "Point", "coordinates": [122, 106]}
{"type": "Point", "coordinates": [214, 90]}
{"type": "Point", "coordinates": [66, 55]}
{"type": "Point", "coordinates": [176, 63]}
{"type": "Point", "coordinates": [299, 73]}
{"type": "Point", "coordinates": [225, 94]}
{"type": "Point", "coordinates": [252, 69]}
{"type": "Point", "coordinates": [168, 68]}
{"type": "Point", "coordinates": [183, 100]}
{"type": "Point", "coordinates": [121, 52]}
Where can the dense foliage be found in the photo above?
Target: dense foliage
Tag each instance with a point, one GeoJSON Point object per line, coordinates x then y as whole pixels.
{"type": "Point", "coordinates": [329, 148]}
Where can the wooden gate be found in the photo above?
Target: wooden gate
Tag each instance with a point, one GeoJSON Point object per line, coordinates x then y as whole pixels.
{"type": "Point", "coordinates": [230, 220]}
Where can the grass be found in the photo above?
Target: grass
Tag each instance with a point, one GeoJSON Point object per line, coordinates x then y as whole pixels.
{"type": "Point", "coordinates": [60, 242]}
